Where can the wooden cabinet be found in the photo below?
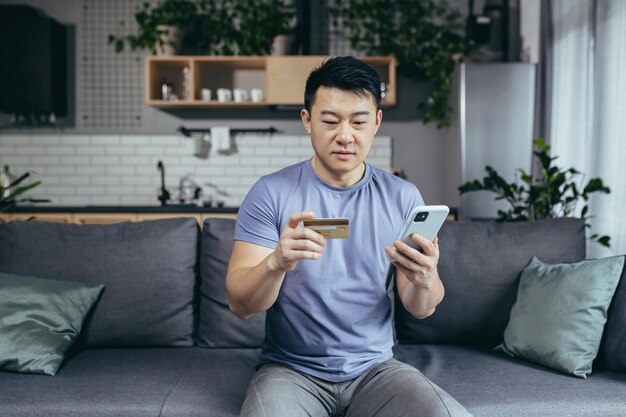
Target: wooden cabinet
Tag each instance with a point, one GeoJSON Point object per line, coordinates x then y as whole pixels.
{"type": "Point", "coordinates": [41, 217]}
{"type": "Point", "coordinates": [282, 78]}
{"type": "Point", "coordinates": [156, 216]}
{"type": "Point", "coordinates": [103, 218]}
{"type": "Point", "coordinates": [107, 218]}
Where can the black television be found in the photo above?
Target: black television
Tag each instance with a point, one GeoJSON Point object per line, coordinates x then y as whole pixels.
{"type": "Point", "coordinates": [33, 65]}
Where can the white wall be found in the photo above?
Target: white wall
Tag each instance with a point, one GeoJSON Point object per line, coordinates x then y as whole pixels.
{"type": "Point", "coordinates": [121, 169]}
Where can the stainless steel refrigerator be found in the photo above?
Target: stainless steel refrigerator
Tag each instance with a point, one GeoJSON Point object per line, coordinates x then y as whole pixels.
{"type": "Point", "coordinates": [493, 125]}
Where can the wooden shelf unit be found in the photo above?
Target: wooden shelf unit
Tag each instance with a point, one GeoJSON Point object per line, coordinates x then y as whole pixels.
{"type": "Point", "coordinates": [282, 78]}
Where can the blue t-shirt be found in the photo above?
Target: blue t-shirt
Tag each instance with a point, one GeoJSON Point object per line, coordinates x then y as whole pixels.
{"type": "Point", "coordinates": [333, 317]}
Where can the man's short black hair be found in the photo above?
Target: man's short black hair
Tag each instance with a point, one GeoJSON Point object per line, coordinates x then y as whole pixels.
{"type": "Point", "coordinates": [346, 73]}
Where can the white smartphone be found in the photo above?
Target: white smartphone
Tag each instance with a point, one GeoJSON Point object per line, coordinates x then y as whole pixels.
{"type": "Point", "coordinates": [423, 220]}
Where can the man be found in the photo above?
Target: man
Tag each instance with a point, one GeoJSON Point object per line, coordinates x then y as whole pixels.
{"type": "Point", "coordinates": [328, 344]}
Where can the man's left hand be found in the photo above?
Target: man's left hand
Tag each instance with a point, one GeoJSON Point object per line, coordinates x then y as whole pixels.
{"type": "Point", "coordinates": [420, 268]}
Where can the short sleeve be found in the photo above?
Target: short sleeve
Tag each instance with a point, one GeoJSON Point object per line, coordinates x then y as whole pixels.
{"type": "Point", "coordinates": [257, 221]}
{"type": "Point", "coordinates": [415, 199]}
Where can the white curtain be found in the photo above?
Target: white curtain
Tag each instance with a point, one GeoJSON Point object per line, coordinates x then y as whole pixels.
{"type": "Point", "coordinates": [588, 106]}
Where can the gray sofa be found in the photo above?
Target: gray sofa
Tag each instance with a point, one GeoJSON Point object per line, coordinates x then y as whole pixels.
{"type": "Point", "coordinates": [162, 342]}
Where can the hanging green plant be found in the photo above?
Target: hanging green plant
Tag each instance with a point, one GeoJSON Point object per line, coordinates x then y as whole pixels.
{"type": "Point", "coordinates": [156, 24]}
{"type": "Point", "coordinates": [217, 27]}
{"type": "Point", "coordinates": [555, 193]}
{"type": "Point", "coordinates": [253, 25]}
{"type": "Point", "coordinates": [424, 36]}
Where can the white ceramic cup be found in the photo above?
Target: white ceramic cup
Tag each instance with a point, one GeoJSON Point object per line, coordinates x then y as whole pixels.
{"type": "Point", "coordinates": [205, 93]}
{"type": "Point", "coordinates": [240, 94]}
{"type": "Point", "coordinates": [256, 94]}
{"type": "Point", "coordinates": [223, 95]}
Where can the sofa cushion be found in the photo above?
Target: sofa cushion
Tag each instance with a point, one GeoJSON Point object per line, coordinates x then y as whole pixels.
{"type": "Point", "coordinates": [480, 264]}
{"type": "Point", "coordinates": [39, 320]}
{"type": "Point", "coordinates": [218, 326]}
{"type": "Point", "coordinates": [560, 311]}
{"type": "Point", "coordinates": [147, 269]}
{"type": "Point", "coordinates": [135, 382]}
{"type": "Point", "coordinates": [613, 349]}
{"type": "Point", "coordinates": [215, 384]}
{"type": "Point", "coordinates": [491, 384]}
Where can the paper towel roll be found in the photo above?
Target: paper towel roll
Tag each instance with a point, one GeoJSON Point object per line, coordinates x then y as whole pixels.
{"type": "Point", "coordinates": [220, 136]}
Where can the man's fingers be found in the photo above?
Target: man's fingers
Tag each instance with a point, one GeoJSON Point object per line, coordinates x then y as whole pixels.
{"type": "Point", "coordinates": [302, 251]}
{"type": "Point", "coordinates": [427, 246]}
{"type": "Point", "coordinates": [412, 270]}
{"type": "Point", "coordinates": [306, 245]}
{"type": "Point", "coordinates": [425, 259]}
{"type": "Point", "coordinates": [302, 239]}
{"type": "Point", "coordinates": [414, 254]}
{"type": "Point", "coordinates": [296, 218]}
{"type": "Point", "coordinates": [295, 232]}
{"type": "Point", "coordinates": [308, 234]}
{"type": "Point", "coordinates": [298, 243]}
{"type": "Point", "coordinates": [297, 255]}
{"type": "Point", "coordinates": [400, 260]}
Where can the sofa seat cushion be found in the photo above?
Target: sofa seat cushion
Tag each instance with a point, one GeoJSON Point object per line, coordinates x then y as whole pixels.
{"type": "Point", "coordinates": [135, 382]}
{"type": "Point", "coordinates": [214, 385]}
{"type": "Point", "coordinates": [492, 384]}
{"type": "Point", "coordinates": [147, 268]}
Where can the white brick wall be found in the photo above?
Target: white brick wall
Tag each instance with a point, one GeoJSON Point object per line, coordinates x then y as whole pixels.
{"type": "Point", "coordinates": [121, 170]}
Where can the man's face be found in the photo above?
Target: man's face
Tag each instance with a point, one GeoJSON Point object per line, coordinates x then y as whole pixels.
{"type": "Point", "coordinates": [342, 126]}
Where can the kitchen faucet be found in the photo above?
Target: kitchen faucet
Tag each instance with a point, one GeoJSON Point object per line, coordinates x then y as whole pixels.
{"type": "Point", "coordinates": [165, 195]}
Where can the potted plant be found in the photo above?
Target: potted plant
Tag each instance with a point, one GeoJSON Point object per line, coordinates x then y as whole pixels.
{"type": "Point", "coordinates": [555, 193]}
{"type": "Point", "coordinates": [424, 36]}
{"type": "Point", "coordinates": [158, 26]}
{"type": "Point", "coordinates": [12, 189]}
{"type": "Point", "coordinates": [218, 27]}
{"type": "Point", "coordinates": [252, 26]}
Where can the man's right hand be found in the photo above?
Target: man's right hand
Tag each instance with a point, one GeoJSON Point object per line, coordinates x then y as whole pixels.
{"type": "Point", "coordinates": [296, 243]}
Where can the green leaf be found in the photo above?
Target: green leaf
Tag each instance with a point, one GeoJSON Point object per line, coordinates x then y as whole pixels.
{"type": "Point", "coordinates": [595, 185]}
{"type": "Point", "coordinates": [17, 181]}
{"type": "Point", "coordinates": [14, 192]}
{"type": "Point", "coordinates": [584, 211]}
{"type": "Point", "coordinates": [605, 241]}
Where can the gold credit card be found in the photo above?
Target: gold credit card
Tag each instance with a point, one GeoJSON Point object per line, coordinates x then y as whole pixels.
{"type": "Point", "coordinates": [338, 228]}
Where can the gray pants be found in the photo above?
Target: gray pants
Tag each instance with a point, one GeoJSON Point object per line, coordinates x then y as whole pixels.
{"type": "Point", "coordinates": [390, 389]}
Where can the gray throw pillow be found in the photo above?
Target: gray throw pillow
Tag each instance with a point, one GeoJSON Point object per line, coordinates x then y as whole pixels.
{"type": "Point", "coordinates": [559, 315]}
{"type": "Point", "coordinates": [39, 321]}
